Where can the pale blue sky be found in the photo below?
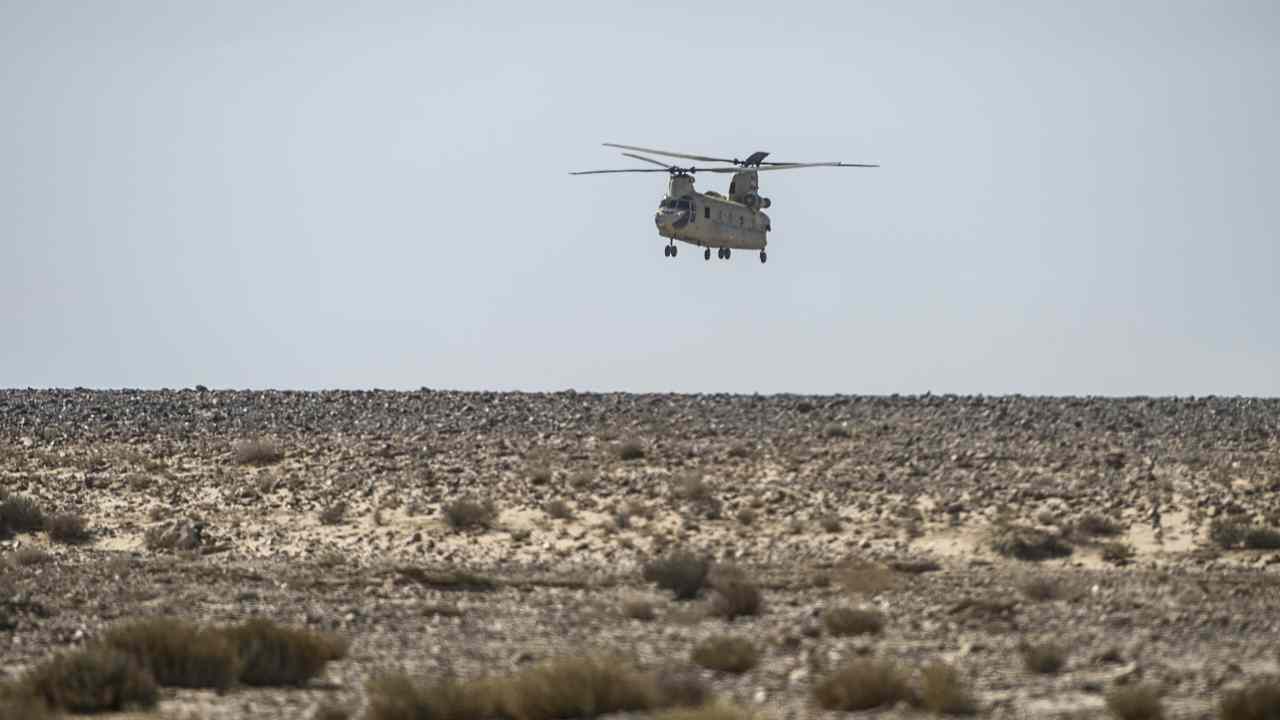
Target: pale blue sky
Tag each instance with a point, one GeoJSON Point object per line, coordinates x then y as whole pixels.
{"type": "Point", "coordinates": [1075, 198]}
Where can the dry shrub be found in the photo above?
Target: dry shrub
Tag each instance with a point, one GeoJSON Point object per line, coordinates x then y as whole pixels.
{"type": "Point", "coordinates": [943, 691]}
{"type": "Point", "coordinates": [274, 655]}
{"type": "Point", "coordinates": [1041, 589]}
{"type": "Point", "coordinates": [398, 697]}
{"type": "Point", "coordinates": [845, 621]}
{"type": "Point", "coordinates": [28, 556]}
{"type": "Point", "coordinates": [563, 688]}
{"type": "Point", "coordinates": [96, 679]}
{"type": "Point", "coordinates": [682, 689]}
{"type": "Point", "coordinates": [746, 516]}
{"type": "Point", "coordinates": [469, 513]}
{"type": "Point", "coordinates": [726, 654]}
{"type": "Point", "coordinates": [256, 452]}
{"type": "Point", "coordinates": [863, 684]}
{"type": "Point", "coordinates": [559, 510]}
{"type": "Point", "coordinates": [681, 572]}
{"type": "Point", "coordinates": [716, 711]}
{"type": "Point", "coordinates": [1117, 553]}
{"type": "Point", "coordinates": [540, 475]}
{"type": "Point", "coordinates": [1262, 538]}
{"type": "Point", "coordinates": [638, 609]}
{"type": "Point", "coordinates": [1031, 544]}
{"type": "Point", "coordinates": [735, 595]}
{"type": "Point", "coordinates": [865, 578]}
{"type": "Point", "coordinates": [178, 653]}
{"type": "Point", "coordinates": [1044, 658]}
{"type": "Point", "coordinates": [631, 450]}
{"type": "Point", "coordinates": [836, 431]}
{"type": "Point", "coordinates": [1259, 701]}
{"type": "Point", "coordinates": [19, 514]}
{"type": "Point", "coordinates": [1135, 702]}
{"type": "Point", "coordinates": [177, 535]}
{"type": "Point", "coordinates": [1097, 525]}
{"type": "Point", "coordinates": [15, 704]}
{"type": "Point", "coordinates": [68, 528]}
{"type": "Point", "coordinates": [831, 523]}
{"type": "Point", "coordinates": [695, 490]}
{"type": "Point", "coordinates": [334, 514]}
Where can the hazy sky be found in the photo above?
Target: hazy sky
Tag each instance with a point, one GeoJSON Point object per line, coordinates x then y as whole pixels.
{"type": "Point", "coordinates": [1075, 198]}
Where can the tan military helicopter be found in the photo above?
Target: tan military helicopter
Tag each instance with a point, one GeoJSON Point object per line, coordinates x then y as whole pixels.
{"type": "Point", "coordinates": [711, 220]}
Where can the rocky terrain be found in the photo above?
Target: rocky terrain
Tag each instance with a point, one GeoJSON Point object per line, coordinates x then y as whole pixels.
{"type": "Point", "coordinates": [1134, 535]}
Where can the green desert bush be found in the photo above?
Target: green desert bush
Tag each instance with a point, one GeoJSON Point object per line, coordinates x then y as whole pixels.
{"type": "Point", "coordinates": [68, 529]}
{"type": "Point", "coordinates": [95, 679]}
{"type": "Point", "coordinates": [681, 572]}
{"type": "Point", "coordinates": [469, 513]}
{"type": "Point", "coordinates": [1258, 701]}
{"type": "Point", "coordinates": [863, 684]}
{"type": "Point", "coordinates": [178, 653]}
{"type": "Point", "coordinates": [275, 655]}
{"type": "Point", "coordinates": [20, 514]}
{"type": "Point", "coordinates": [1135, 702]}
{"type": "Point", "coordinates": [844, 621]}
{"type": "Point", "coordinates": [726, 654]}
{"type": "Point", "coordinates": [944, 692]}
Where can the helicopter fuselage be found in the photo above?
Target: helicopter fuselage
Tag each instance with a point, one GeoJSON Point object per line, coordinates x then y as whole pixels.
{"type": "Point", "coordinates": [712, 220]}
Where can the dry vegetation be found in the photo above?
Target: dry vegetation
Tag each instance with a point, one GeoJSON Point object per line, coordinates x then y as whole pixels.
{"type": "Point", "coordinates": [660, 557]}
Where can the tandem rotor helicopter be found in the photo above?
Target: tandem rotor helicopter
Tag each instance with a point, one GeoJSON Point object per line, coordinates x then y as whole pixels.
{"type": "Point", "coordinates": [709, 219]}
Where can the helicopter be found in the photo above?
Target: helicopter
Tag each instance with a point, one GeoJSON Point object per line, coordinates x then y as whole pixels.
{"type": "Point", "coordinates": [711, 220]}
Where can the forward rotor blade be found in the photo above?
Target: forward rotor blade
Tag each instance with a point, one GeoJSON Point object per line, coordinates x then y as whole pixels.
{"type": "Point", "coordinates": [789, 166]}
{"type": "Point", "coordinates": [822, 164]}
{"type": "Point", "coordinates": [701, 158]}
{"type": "Point", "coordinates": [648, 160]}
{"type": "Point", "coordinates": [628, 170]}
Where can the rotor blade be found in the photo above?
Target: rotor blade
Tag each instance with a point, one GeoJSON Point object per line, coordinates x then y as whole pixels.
{"type": "Point", "coordinates": [648, 160]}
{"type": "Point", "coordinates": [789, 166]}
{"type": "Point", "coordinates": [823, 164]}
{"type": "Point", "coordinates": [597, 172]}
{"type": "Point", "coordinates": [701, 158]}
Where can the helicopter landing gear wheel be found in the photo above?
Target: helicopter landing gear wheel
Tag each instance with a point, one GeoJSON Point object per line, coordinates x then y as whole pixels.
{"type": "Point", "coordinates": [764, 257]}
{"type": "Point", "coordinates": [674, 250]}
{"type": "Point", "coordinates": [706, 254]}
{"type": "Point", "coordinates": [720, 253]}
{"type": "Point", "coordinates": [666, 251]}
{"type": "Point", "coordinates": [726, 253]}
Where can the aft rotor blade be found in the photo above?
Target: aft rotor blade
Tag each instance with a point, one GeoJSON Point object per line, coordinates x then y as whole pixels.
{"type": "Point", "coordinates": [701, 158]}
{"type": "Point", "coordinates": [628, 170]}
{"type": "Point", "coordinates": [821, 164]}
{"type": "Point", "coordinates": [648, 160]}
{"type": "Point", "coordinates": [791, 166]}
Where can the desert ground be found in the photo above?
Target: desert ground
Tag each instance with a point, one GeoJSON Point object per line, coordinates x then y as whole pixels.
{"type": "Point", "coordinates": [470, 535]}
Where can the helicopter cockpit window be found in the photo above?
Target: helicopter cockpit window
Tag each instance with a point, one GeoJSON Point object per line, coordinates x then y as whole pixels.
{"type": "Point", "coordinates": [667, 203]}
{"type": "Point", "coordinates": [682, 204]}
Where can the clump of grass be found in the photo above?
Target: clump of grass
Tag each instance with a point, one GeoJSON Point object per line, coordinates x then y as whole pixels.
{"type": "Point", "coordinates": [726, 654]}
{"type": "Point", "coordinates": [178, 653]}
{"type": "Point", "coordinates": [845, 621]}
{"type": "Point", "coordinates": [559, 510]}
{"type": "Point", "coordinates": [943, 691]}
{"type": "Point", "coordinates": [863, 684]}
{"type": "Point", "coordinates": [1227, 533]}
{"type": "Point", "coordinates": [695, 490]}
{"type": "Point", "coordinates": [469, 513]}
{"type": "Point", "coordinates": [334, 514]}
{"type": "Point", "coordinates": [19, 514]}
{"type": "Point", "coordinates": [681, 572]}
{"type": "Point", "coordinates": [736, 596]}
{"type": "Point", "coordinates": [1135, 702]}
{"type": "Point", "coordinates": [631, 450]}
{"type": "Point", "coordinates": [68, 528]}
{"type": "Point", "coordinates": [95, 679]}
{"type": "Point", "coordinates": [1044, 658]}
{"type": "Point", "coordinates": [638, 609]}
{"type": "Point", "coordinates": [1259, 701]}
{"type": "Point", "coordinates": [577, 687]}
{"type": "Point", "coordinates": [1031, 544]}
{"type": "Point", "coordinates": [275, 655]}
{"type": "Point", "coordinates": [540, 475]}
{"type": "Point", "coordinates": [1041, 589]}
{"type": "Point", "coordinates": [257, 452]}
{"type": "Point", "coordinates": [865, 578]}
{"type": "Point", "coordinates": [398, 697]}
{"type": "Point", "coordinates": [746, 516]}
{"type": "Point", "coordinates": [1094, 524]}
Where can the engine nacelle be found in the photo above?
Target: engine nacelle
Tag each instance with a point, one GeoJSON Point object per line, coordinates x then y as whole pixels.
{"type": "Point", "coordinates": [755, 202]}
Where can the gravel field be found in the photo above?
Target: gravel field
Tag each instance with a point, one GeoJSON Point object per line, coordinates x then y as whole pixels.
{"type": "Point", "coordinates": [1138, 536]}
